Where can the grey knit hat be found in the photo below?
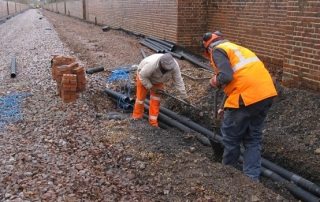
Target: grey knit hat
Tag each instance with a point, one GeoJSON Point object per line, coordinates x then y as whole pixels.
{"type": "Point", "coordinates": [167, 62]}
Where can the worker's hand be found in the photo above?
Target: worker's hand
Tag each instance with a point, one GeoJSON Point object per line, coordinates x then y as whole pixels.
{"type": "Point", "coordinates": [213, 81]}
{"type": "Point", "coordinates": [220, 113]}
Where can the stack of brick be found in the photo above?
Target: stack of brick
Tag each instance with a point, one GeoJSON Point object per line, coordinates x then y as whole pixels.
{"type": "Point", "coordinates": [70, 77]}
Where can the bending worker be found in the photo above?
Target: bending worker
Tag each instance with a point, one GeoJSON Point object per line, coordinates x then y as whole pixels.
{"type": "Point", "coordinates": [153, 71]}
{"type": "Point", "coordinates": [250, 91]}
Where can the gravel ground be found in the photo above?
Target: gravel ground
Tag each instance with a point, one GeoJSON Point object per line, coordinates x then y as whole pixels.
{"type": "Point", "coordinates": [72, 152]}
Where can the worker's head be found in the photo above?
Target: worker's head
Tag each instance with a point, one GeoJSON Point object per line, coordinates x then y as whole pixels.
{"type": "Point", "coordinates": [209, 38]}
{"type": "Point", "coordinates": [167, 63]}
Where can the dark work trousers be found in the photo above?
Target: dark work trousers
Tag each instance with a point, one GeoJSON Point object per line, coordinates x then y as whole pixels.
{"type": "Point", "coordinates": [244, 125]}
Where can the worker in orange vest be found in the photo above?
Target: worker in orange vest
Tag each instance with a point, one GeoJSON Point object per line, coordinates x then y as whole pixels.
{"type": "Point", "coordinates": [250, 90]}
{"type": "Point", "coordinates": [153, 72]}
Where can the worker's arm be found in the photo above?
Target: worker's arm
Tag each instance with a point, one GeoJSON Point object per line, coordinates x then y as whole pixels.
{"type": "Point", "coordinates": [145, 74]}
{"type": "Point", "coordinates": [221, 60]}
{"type": "Point", "coordinates": [178, 82]}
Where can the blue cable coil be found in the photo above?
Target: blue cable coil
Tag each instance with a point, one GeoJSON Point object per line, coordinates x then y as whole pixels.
{"type": "Point", "coordinates": [10, 111]}
{"type": "Point", "coordinates": [121, 75]}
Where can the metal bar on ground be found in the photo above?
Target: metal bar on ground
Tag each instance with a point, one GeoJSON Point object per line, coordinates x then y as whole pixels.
{"type": "Point", "coordinates": [95, 70]}
{"type": "Point", "coordinates": [143, 53]}
{"type": "Point", "coordinates": [13, 67]}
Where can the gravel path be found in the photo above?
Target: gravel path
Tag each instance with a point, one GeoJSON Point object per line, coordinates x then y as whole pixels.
{"type": "Point", "coordinates": [63, 152]}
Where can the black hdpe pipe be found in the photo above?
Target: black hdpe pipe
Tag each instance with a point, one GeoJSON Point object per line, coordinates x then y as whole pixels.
{"type": "Point", "coordinates": [306, 184]}
{"type": "Point", "coordinates": [151, 46]}
{"type": "Point", "coordinates": [163, 118]}
{"type": "Point", "coordinates": [171, 46]}
{"type": "Point", "coordinates": [160, 46]}
{"type": "Point", "coordinates": [294, 189]}
{"type": "Point", "coordinates": [195, 61]}
{"type": "Point", "coordinates": [13, 67]}
{"type": "Point", "coordinates": [118, 96]}
{"type": "Point", "coordinates": [212, 137]}
{"type": "Point", "coordinates": [176, 55]}
{"type": "Point", "coordinates": [170, 122]}
{"type": "Point", "coordinates": [94, 70]}
{"type": "Point", "coordinates": [194, 126]}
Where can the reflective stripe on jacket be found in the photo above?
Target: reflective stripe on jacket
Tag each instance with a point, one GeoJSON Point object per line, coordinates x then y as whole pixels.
{"type": "Point", "coordinates": [251, 79]}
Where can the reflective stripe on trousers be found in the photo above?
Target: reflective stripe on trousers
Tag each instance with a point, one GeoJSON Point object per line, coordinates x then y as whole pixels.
{"type": "Point", "coordinates": [141, 94]}
{"type": "Point", "coordinates": [154, 108]}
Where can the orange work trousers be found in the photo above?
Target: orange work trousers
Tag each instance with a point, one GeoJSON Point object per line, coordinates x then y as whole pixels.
{"type": "Point", "coordinates": [154, 103]}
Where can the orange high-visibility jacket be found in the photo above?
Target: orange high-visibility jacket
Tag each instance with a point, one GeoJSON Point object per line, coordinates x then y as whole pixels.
{"type": "Point", "coordinates": [251, 79]}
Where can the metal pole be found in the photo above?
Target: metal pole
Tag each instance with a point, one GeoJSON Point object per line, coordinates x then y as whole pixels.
{"type": "Point", "coordinates": [8, 7]}
{"type": "Point", "coordinates": [65, 7]}
{"type": "Point", "coordinates": [13, 67]}
{"type": "Point", "coordinates": [84, 9]}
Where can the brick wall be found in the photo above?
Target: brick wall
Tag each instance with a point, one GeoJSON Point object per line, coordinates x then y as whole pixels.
{"type": "Point", "coordinates": [192, 22]}
{"type": "Point", "coordinates": [258, 25]}
{"type": "Point", "coordinates": [302, 56]}
{"type": "Point", "coordinates": [149, 17]}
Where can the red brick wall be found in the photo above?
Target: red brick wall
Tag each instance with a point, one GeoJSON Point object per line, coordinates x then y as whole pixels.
{"type": "Point", "coordinates": [149, 17]}
{"type": "Point", "coordinates": [192, 22]}
{"type": "Point", "coordinates": [257, 25]}
{"type": "Point", "coordinates": [302, 56]}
